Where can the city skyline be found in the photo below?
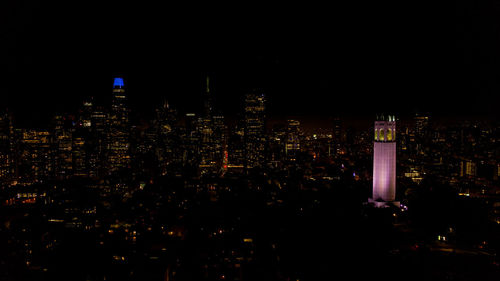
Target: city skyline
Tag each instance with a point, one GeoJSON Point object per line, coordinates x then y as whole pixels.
{"type": "Point", "coordinates": [25, 117]}
{"type": "Point", "coordinates": [100, 195]}
{"type": "Point", "coordinates": [249, 141]}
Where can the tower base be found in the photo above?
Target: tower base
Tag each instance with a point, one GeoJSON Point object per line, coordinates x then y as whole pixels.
{"type": "Point", "coordinates": [384, 204]}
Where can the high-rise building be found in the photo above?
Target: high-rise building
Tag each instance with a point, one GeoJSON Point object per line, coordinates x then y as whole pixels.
{"type": "Point", "coordinates": [118, 135]}
{"type": "Point", "coordinates": [99, 130]}
{"type": "Point", "coordinates": [79, 157]}
{"type": "Point", "coordinates": [292, 145]}
{"type": "Point", "coordinates": [277, 144]}
{"type": "Point", "coordinates": [167, 145]}
{"type": "Point", "coordinates": [212, 133]}
{"type": "Point", "coordinates": [7, 159]}
{"type": "Point", "coordinates": [421, 133]}
{"type": "Point", "coordinates": [219, 142]}
{"type": "Point", "coordinates": [421, 124]}
{"type": "Point", "coordinates": [35, 149]}
{"type": "Point", "coordinates": [255, 138]}
{"type": "Point", "coordinates": [384, 162]}
{"type": "Point", "coordinates": [337, 137]}
{"type": "Point", "coordinates": [206, 133]}
{"type": "Point", "coordinates": [63, 145]}
{"type": "Point", "coordinates": [85, 118]}
{"type": "Point", "coordinates": [190, 140]}
{"type": "Point", "coordinates": [236, 148]}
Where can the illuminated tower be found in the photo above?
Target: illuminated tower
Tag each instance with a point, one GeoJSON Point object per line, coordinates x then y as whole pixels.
{"type": "Point", "coordinates": [206, 133]}
{"type": "Point", "coordinates": [118, 136]}
{"type": "Point", "coordinates": [384, 162]}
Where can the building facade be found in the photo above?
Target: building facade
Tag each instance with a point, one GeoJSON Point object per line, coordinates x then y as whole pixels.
{"type": "Point", "coordinates": [384, 162]}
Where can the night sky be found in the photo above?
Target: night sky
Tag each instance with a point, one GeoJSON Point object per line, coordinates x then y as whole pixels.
{"type": "Point", "coordinates": [356, 58]}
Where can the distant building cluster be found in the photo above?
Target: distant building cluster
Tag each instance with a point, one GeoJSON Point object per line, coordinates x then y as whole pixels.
{"type": "Point", "coordinates": [461, 154]}
{"type": "Point", "coordinates": [99, 142]}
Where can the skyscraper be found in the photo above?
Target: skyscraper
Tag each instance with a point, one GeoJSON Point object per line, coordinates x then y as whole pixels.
{"type": "Point", "coordinates": [166, 139]}
{"type": "Point", "coordinates": [206, 132]}
{"type": "Point", "coordinates": [63, 144]}
{"type": "Point", "coordinates": [97, 156]}
{"type": "Point", "coordinates": [255, 138]}
{"type": "Point", "coordinates": [421, 132]}
{"type": "Point", "coordinates": [118, 136]}
{"type": "Point", "coordinates": [292, 145]}
{"type": "Point", "coordinates": [384, 162]}
{"type": "Point", "coordinates": [337, 136]}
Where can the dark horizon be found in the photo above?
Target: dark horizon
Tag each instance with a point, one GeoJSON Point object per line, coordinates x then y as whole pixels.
{"type": "Point", "coordinates": [311, 60]}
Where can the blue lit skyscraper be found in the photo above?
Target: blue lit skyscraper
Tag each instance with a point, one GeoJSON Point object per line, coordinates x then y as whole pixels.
{"type": "Point", "coordinates": [118, 132]}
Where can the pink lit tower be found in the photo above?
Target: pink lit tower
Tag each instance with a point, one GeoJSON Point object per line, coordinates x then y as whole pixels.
{"type": "Point", "coordinates": [384, 162]}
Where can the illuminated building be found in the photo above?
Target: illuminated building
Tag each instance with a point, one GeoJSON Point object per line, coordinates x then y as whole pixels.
{"type": "Point", "coordinates": [7, 163]}
{"type": "Point", "coordinates": [292, 145]}
{"type": "Point", "coordinates": [421, 124]}
{"type": "Point", "coordinates": [63, 146]}
{"type": "Point", "coordinates": [118, 136]}
{"type": "Point", "coordinates": [220, 142]}
{"type": "Point", "coordinates": [421, 132]}
{"type": "Point", "coordinates": [468, 168]}
{"type": "Point", "coordinates": [166, 139]}
{"type": "Point", "coordinates": [337, 136]}
{"type": "Point", "coordinates": [236, 148]}
{"type": "Point", "coordinates": [79, 156]}
{"type": "Point", "coordinates": [384, 162]}
{"type": "Point", "coordinates": [35, 155]}
{"type": "Point", "coordinates": [98, 131]}
{"type": "Point", "coordinates": [206, 133]}
{"type": "Point", "coordinates": [85, 119]}
{"type": "Point", "coordinates": [277, 144]}
{"type": "Point", "coordinates": [191, 139]}
{"type": "Point", "coordinates": [212, 132]}
{"type": "Point", "coordinates": [255, 139]}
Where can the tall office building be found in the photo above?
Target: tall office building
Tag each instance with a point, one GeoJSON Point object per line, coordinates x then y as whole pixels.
{"type": "Point", "coordinates": [79, 152]}
{"type": "Point", "coordinates": [421, 124]}
{"type": "Point", "coordinates": [62, 136]}
{"type": "Point", "coordinates": [190, 141]}
{"type": "Point", "coordinates": [421, 132]}
{"type": "Point", "coordinates": [219, 142]}
{"type": "Point", "coordinates": [98, 128]}
{"type": "Point", "coordinates": [118, 134]}
{"type": "Point", "coordinates": [384, 162]}
{"type": "Point", "coordinates": [167, 144]}
{"type": "Point", "coordinates": [236, 147]}
{"type": "Point", "coordinates": [292, 145]}
{"type": "Point", "coordinates": [255, 139]}
{"type": "Point", "coordinates": [206, 132]}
